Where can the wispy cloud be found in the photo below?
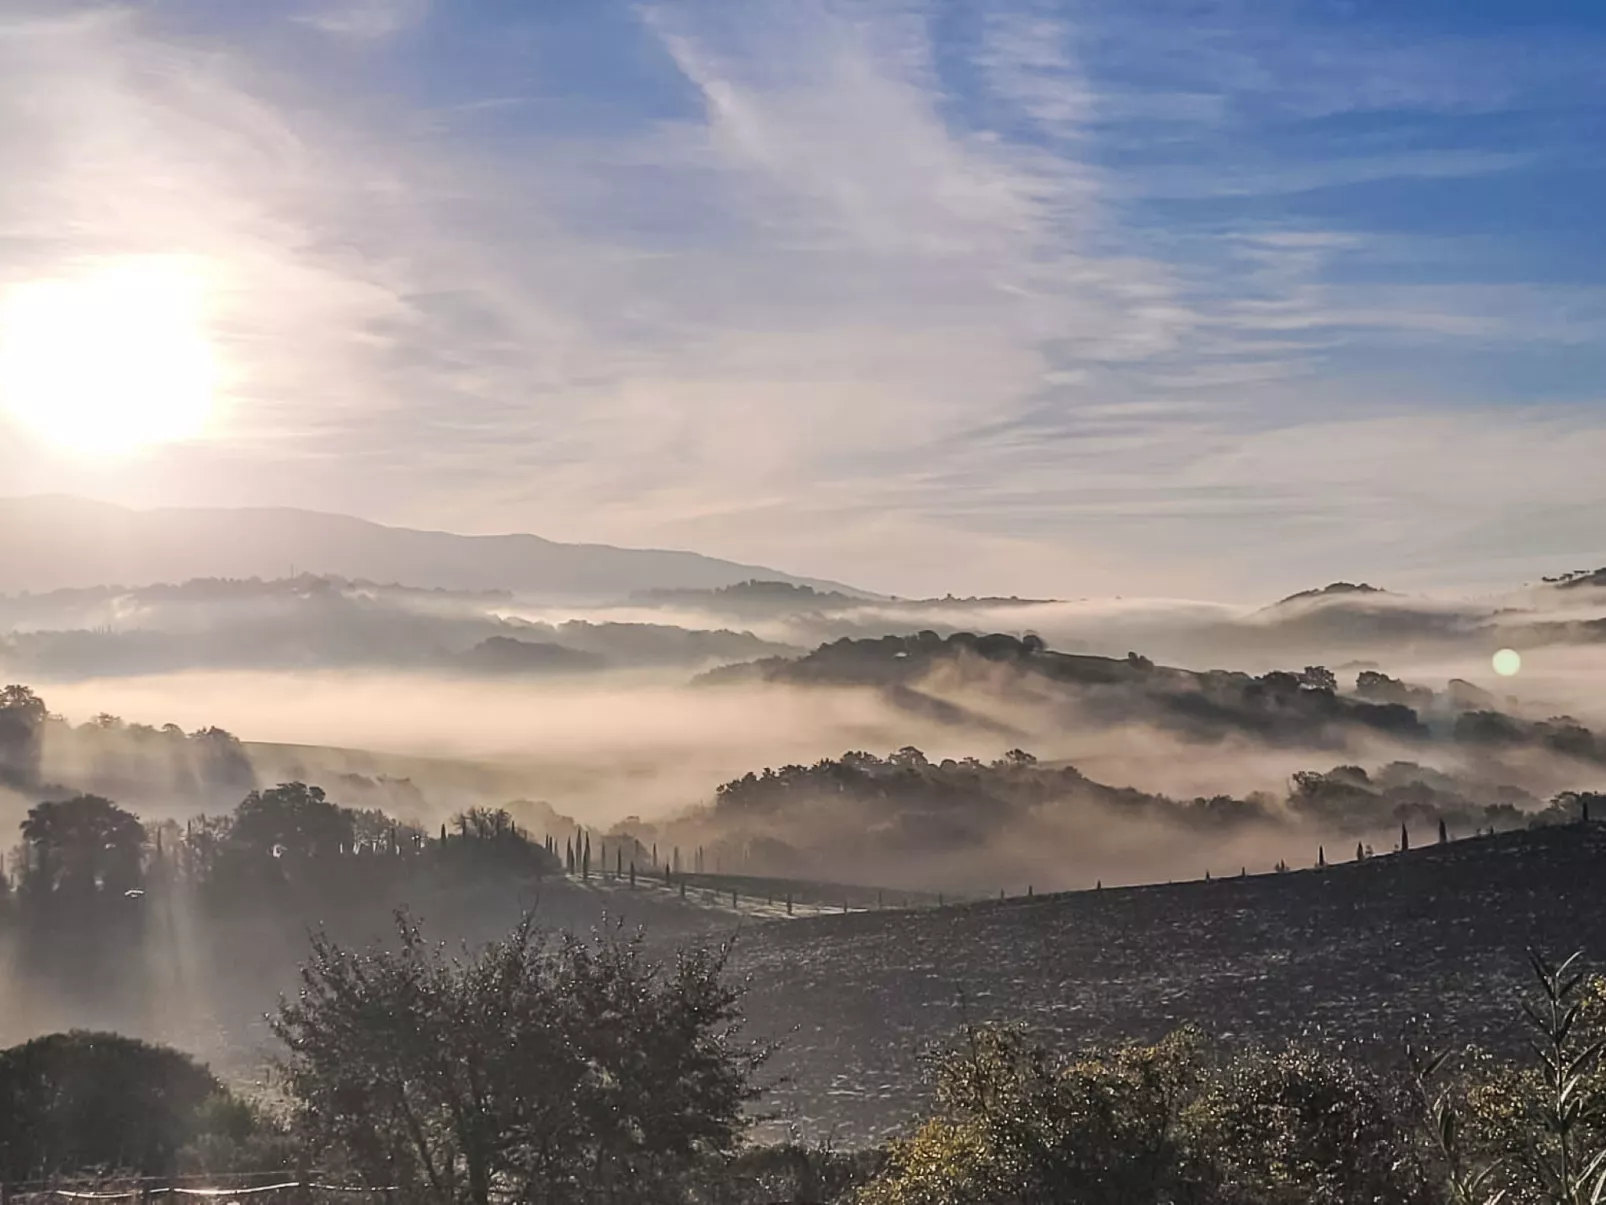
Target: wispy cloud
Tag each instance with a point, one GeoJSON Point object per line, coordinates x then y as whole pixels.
{"type": "Point", "coordinates": [365, 18]}
{"type": "Point", "coordinates": [1039, 298]}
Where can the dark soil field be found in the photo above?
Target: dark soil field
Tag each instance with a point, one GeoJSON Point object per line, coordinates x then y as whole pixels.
{"type": "Point", "coordinates": [1349, 953]}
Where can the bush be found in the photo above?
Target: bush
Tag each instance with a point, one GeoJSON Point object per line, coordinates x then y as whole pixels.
{"type": "Point", "coordinates": [76, 1102]}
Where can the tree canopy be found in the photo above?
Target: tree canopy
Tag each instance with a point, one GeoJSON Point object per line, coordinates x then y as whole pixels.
{"type": "Point", "coordinates": [532, 1069]}
{"type": "Point", "coordinates": [75, 1102]}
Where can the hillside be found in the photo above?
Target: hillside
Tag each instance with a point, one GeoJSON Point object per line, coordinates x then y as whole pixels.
{"type": "Point", "coordinates": [52, 543]}
{"type": "Point", "coordinates": [1348, 952]}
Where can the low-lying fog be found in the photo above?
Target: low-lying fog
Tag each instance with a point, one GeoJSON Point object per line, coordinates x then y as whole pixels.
{"type": "Point", "coordinates": [645, 740]}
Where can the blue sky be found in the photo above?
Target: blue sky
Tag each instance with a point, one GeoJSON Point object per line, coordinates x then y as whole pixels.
{"type": "Point", "coordinates": [1209, 299]}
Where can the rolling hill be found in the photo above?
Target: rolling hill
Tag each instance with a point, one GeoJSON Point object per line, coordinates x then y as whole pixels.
{"type": "Point", "coordinates": [1350, 953]}
{"type": "Point", "coordinates": [58, 542]}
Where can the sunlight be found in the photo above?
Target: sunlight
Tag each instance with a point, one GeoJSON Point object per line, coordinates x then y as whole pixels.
{"type": "Point", "coordinates": [1507, 663]}
{"type": "Point", "coordinates": [109, 361]}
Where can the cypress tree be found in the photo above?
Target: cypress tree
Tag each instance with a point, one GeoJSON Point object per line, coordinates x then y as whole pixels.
{"type": "Point", "coordinates": [1360, 854]}
{"type": "Point", "coordinates": [1405, 838]}
{"type": "Point", "coordinates": [585, 859]}
{"type": "Point", "coordinates": [632, 875]}
{"type": "Point", "coordinates": [568, 855]}
{"type": "Point", "coordinates": [619, 863]}
{"type": "Point", "coordinates": [1321, 856]}
{"type": "Point", "coordinates": [1444, 833]}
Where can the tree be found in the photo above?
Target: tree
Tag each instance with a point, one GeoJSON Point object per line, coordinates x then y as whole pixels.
{"type": "Point", "coordinates": [22, 716]}
{"type": "Point", "coordinates": [1318, 677]}
{"type": "Point", "coordinates": [532, 1069]}
{"type": "Point", "coordinates": [79, 1102]}
{"type": "Point", "coordinates": [81, 847]}
{"type": "Point", "coordinates": [1014, 1124]}
{"type": "Point", "coordinates": [291, 821]}
{"type": "Point", "coordinates": [1302, 1126]}
{"type": "Point", "coordinates": [221, 761]}
{"type": "Point", "coordinates": [908, 758]}
{"type": "Point", "coordinates": [491, 840]}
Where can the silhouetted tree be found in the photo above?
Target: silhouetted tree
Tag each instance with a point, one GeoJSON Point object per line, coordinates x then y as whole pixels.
{"type": "Point", "coordinates": [81, 847]}
{"type": "Point", "coordinates": [292, 822]}
{"type": "Point", "coordinates": [534, 1070]}
{"type": "Point", "coordinates": [1318, 677]}
{"type": "Point", "coordinates": [76, 1102]}
{"type": "Point", "coordinates": [22, 717]}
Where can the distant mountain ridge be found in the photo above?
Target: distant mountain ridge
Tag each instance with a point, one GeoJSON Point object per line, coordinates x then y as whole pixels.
{"type": "Point", "coordinates": [59, 542]}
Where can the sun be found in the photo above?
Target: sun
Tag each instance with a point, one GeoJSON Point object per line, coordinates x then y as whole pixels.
{"type": "Point", "coordinates": [111, 360]}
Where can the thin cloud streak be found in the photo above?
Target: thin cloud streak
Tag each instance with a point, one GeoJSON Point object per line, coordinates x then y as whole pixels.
{"type": "Point", "coordinates": [871, 299]}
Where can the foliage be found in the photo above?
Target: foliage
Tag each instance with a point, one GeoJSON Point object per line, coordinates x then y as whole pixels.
{"type": "Point", "coordinates": [75, 1102]}
{"type": "Point", "coordinates": [489, 839]}
{"type": "Point", "coordinates": [22, 715]}
{"type": "Point", "coordinates": [1016, 1124]}
{"type": "Point", "coordinates": [1301, 1126]}
{"type": "Point", "coordinates": [531, 1069]}
{"type": "Point", "coordinates": [81, 847]}
{"type": "Point", "coordinates": [291, 821]}
{"type": "Point", "coordinates": [1530, 1134]}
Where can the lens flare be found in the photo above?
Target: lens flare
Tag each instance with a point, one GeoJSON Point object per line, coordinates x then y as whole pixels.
{"type": "Point", "coordinates": [1507, 663]}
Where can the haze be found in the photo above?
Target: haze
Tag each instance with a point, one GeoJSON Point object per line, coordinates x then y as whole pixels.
{"type": "Point", "coordinates": [1090, 512]}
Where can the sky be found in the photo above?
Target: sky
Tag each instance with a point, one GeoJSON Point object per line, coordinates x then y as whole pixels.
{"type": "Point", "coordinates": [1216, 299]}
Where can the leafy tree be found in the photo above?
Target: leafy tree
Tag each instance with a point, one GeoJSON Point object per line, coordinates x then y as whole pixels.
{"type": "Point", "coordinates": [291, 821]}
{"type": "Point", "coordinates": [81, 847]}
{"type": "Point", "coordinates": [489, 838]}
{"type": "Point", "coordinates": [78, 1102]}
{"type": "Point", "coordinates": [1534, 1133]}
{"type": "Point", "coordinates": [221, 761]}
{"type": "Point", "coordinates": [529, 1070]}
{"type": "Point", "coordinates": [1015, 1124]}
{"type": "Point", "coordinates": [1304, 1127]}
{"type": "Point", "coordinates": [1318, 677]}
{"type": "Point", "coordinates": [22, 716]}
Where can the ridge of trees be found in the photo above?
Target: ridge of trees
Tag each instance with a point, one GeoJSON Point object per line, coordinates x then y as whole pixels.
{"type": "Point", "coordinates": [1280, 707]}
{"type": "Point", "coordinates": [968, 795]}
